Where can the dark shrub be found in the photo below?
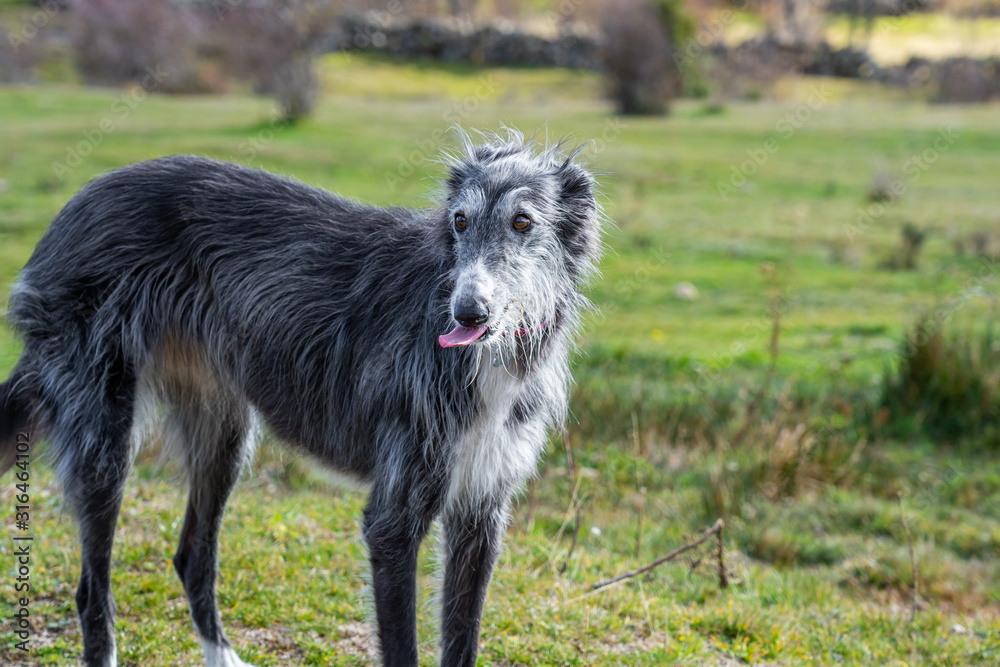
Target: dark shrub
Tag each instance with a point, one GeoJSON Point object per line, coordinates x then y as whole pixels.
{"type": "Point", "coordinates": [274, 44]}
{"type": "Point", "coordinates": [968, 80]}
{"type": "Point", "coordinates": [846, 63]}
{"type": "Point", "coordinates": [945, 388]}
{"type": "Point", "coordinates": [639, 37]}
{"type": "Point", "coordinates": [880, 7]}
{"type": "Point", "coordinates": [18, 54]}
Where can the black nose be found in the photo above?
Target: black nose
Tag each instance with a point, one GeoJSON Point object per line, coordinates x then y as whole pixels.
{"type": "Point", "coordinates": [472, 316]}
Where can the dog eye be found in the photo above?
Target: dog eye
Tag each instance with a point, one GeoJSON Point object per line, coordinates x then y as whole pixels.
{"type": "Point", "coordinates": [460, 222]}
{"type": "Point", "coordinates": [521, 222]}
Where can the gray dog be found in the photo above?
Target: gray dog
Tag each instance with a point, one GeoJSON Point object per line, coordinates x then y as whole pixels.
{"type": "Point", "coordinates": [423, 352]}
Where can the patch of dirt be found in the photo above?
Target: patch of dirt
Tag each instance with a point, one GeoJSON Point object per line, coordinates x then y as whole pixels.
{"type": "Point", "coordinates": [275, 641]}
{"type": "Point", "coordinates": [44, 633]}
{"type": "Point", "coordinates": [359, 639]}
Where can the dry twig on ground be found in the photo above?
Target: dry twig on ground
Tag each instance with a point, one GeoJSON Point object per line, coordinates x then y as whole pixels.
{"type": "Point", "coordinates": [716, 529]}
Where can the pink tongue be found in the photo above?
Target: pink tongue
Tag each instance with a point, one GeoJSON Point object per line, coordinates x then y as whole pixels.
{"type": "Point", "coordinates": [461, 336]}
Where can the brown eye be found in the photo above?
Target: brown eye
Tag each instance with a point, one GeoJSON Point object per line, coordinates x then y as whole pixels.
{"type": "Point", "coordinates": [460, 222]}
{"type": "Point", "coordinates": [521, 222]}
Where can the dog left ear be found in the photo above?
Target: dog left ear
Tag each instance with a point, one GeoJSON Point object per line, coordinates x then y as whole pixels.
{"type": "Point", "coordinates": [458, 174]}
{"type": "Point", "coordinates": [576, 183]}
{"type": "Point", "coordinates": [576, 194]}
{"type": "Point", "coordinates": [580, 224]}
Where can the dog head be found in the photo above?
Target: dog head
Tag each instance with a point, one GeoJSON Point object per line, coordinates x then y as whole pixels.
{"type": "Point", "coordinates": [525, 229]}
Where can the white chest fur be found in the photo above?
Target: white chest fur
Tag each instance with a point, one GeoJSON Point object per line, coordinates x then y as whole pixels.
{"type": "Point", "coordinates": [496, 454]}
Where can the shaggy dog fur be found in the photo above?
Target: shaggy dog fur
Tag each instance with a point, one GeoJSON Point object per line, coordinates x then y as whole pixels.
{"type": "Point", "coordinates": [423, 352]}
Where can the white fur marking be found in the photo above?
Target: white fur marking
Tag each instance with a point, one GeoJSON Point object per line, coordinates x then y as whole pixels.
{"type": "Point", "coordinates": [217, 655]}
{"type": "Point", "coordinates": [491, 455]}
{"type": "Point", "coordinates": [145, 411]}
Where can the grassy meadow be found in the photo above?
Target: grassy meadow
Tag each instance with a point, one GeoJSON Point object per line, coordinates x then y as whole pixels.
{"type": "Point", "coordinates": [757, 401]}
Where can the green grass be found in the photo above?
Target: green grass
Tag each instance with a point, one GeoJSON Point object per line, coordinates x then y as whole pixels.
{"type": "Point", "coordinates": [815, 544]}
{"type": "Point", "coordinates": [824, 577]}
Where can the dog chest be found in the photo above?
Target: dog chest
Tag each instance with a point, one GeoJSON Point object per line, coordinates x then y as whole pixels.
{"type": "Point", "coordinates": [496, 453]}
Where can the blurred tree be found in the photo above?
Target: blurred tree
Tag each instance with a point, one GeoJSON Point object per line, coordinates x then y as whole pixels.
{"type": "Point", "coordinates": [20, 53]}
{"type": "Point", "coordinates": [675, 20]}
{"type": "Point", "coordinates": [120, 41]}
{"type": "Point", "coordinates": [274, 44]}
{"type": "Point", "coordinates": [856, 10]}
{"type": "Point", "coordinates": [641, 61]}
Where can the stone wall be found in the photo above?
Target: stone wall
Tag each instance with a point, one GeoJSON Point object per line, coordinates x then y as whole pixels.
{"type": "Point", "coordinates": [436, 39]}
{"type": "Point", "coordinates": [957, 79]}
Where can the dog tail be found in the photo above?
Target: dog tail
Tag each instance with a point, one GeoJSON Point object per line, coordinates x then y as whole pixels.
{"type": "Point", "coordinates": [16, 418]}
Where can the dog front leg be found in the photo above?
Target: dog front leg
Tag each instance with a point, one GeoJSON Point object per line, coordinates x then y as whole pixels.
{"type": "Point", "coordinates": [394, 535]}
{"type": "Point", "coordinates": [473, 537]}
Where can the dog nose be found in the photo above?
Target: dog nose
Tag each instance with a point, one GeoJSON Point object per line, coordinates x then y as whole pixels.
{"type": "Point", "coordinates": [472, 316]}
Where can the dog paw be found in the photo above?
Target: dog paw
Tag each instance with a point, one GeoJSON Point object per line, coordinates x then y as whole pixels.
{"type": "Point", "coordinates": [217, 655]}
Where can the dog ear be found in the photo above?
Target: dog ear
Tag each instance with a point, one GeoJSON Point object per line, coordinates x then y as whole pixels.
{"type": "Point", "coordinates": [579, 227]}
{"type": "Point", "coordinates": [576, 186]}
{"type": "Point", "coordinates": [458, 174]}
